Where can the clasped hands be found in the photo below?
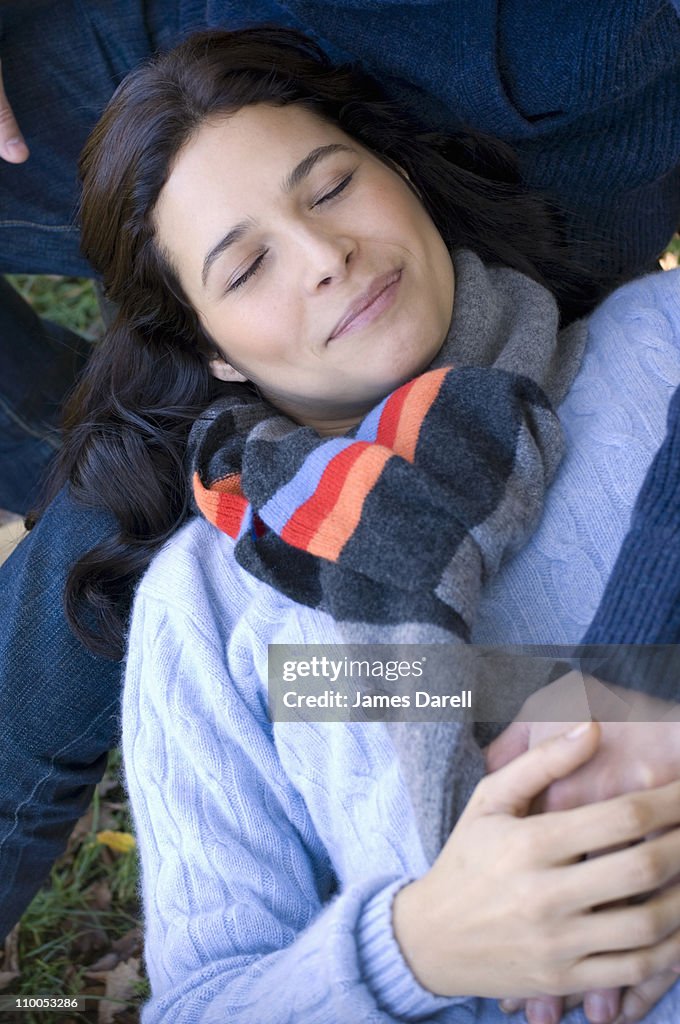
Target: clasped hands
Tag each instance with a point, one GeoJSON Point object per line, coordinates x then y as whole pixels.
{"type": "Point", "coordinates": [639, 749]}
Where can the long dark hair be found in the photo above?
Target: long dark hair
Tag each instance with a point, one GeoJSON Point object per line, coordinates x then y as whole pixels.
{"type": "Point", "coordinates": [127, 422]}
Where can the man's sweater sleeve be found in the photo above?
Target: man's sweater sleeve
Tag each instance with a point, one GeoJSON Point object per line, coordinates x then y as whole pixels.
{"type": "Point", "coordinates": [242, 923]}
{"type": "Point", "coordinates": [641, 603]}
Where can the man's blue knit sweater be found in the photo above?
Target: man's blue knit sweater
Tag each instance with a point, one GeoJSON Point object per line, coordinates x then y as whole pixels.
{"type": "Point", "coordinates": [588, 95]}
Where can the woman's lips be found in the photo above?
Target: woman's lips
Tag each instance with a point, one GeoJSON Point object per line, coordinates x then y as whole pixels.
{"type": "Point", "coordinates": [382, 301]}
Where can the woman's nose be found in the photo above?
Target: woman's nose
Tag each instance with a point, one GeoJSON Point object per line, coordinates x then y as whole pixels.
{"type": "Point", "coordinates": [326, 257]}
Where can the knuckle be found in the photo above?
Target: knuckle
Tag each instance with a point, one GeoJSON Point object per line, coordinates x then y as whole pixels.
{"type": "Point", "coordinates": [525, 897]}
{"type": "Point", "coordinates": [635, 816]}
{"type": "Point", "coordinates": [641, 967]}
{"type": "Point", "coordinates": [6, 116]}
{"type": "Point", "coordinates": [551, 981]}
{"type": "Point", "coordinates": [536, 914]}
{"type": "Point", "coordinates": [647, 871]}
{"type": "Point", "coordinates": [647, 775]}
{"type": "Point", "coordinates": [538, 835]}
{"type": "Point", "coordinates": [521, 846]}
{"type": "Point", "coordinates": [647, 928]}
{"type": "Point", "coordinates": [484, 789]}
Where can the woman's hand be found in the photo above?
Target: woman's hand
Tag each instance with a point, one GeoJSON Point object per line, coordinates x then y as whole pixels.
{"type": "Point", "coordinates": [508, 907]}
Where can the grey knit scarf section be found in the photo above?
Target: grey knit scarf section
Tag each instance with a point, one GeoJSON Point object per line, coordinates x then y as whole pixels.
{"type": "Point", "coordinates": [501, 318]}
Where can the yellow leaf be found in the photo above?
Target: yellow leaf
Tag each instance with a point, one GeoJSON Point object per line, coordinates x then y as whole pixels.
{"type": "Point", "coordinates": [121, 842]}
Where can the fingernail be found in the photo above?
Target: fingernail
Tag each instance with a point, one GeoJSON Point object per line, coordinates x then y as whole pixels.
{"type": "Point", "coordinates": [510, 1005]}
{"type": "Point", "coordinates": [634, 1008]}
{"type": "Point", "coordinates": [16, 148]}
{"type": "Point", "coordinates": [599, 1009]}
{"type": "Point", "coordinates": [539, 1013]}
{"type": "Point", "coordinates": [574, 733]}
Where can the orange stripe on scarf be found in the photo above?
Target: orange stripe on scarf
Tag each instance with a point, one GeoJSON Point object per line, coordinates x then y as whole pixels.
{"type": "Point", "coordinates": [343, 518]}
{"type": "Point", "coordinates": [223, 504]}
{"type": "Point", "coordinates": [415, 406]}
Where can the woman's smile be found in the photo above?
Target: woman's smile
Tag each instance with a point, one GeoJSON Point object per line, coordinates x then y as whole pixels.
{"type": "Point", "coordinates": [377, 299]}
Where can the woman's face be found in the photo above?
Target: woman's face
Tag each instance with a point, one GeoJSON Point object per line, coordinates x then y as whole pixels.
{"type": "Point", "coordinates": [313, 266]}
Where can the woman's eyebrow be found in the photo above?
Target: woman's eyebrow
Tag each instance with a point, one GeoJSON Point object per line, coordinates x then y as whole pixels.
{"type": "Point", "coordinates": [299, 173]}
{"type": "Point", "coordinates": [290, 182]}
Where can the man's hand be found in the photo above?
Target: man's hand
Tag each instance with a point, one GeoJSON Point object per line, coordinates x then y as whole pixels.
{"type": "Point", "coordinates": [639, 748]}
{"type": "Point", "coordinates": [12, 145]}
{"type": "Point", "coordinates": [633, 754]}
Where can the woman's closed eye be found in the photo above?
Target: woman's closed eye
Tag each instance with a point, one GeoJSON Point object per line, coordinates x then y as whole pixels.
{"type": "Point", "coordinates": [257, 263]}
{"type": "Point", "coordinates": [250, 272]}
{"type": "Point", "coordinates": [336, 191]}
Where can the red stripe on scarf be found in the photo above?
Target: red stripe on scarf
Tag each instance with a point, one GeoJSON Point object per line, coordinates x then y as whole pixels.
{"type": "Point", "coordinates": [307, 518]}
{"type": "Point", "coordinates": [389, 417]}
{"type": "Point", "coordinates": [223, 504]}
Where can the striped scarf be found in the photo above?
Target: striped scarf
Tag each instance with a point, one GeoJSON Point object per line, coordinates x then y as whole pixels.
{"type": "Point", "coordinates": [392, 528]}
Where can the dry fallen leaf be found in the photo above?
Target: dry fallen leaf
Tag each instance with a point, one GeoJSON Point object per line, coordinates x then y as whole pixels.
{"type": "Point", "coordinates": [99, 970]}
{"type": "Point", "coordinates": [128, 944]}
{"type": "Point", "coordinates": [11, 959]}
{"type": "Point", "coordinates": [108, 784]}
{"type": "Point", "coordinates": [89, 940]}
{"type": "Point", "coordinates": [121, 984]}
{"type": "Point", "coordinates": [98, 895]}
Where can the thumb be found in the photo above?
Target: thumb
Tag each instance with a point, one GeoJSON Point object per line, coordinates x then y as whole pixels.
{"type": "Point", "coordinates": [12, 146]}
{"type": "Point", "coordinates": [512, 789]}
{"type": "Point", "coordinates": [512, 742]}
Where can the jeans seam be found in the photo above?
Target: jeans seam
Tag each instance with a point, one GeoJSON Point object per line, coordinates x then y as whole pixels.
{"type": "Point", "coordinates": [40, 782]}
{"type": "Point", "coordinates": [36, 226]}
{"type": "Point", "coordinates": [31, 431]}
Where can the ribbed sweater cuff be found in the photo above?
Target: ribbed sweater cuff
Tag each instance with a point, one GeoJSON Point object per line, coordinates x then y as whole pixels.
{"type": "Point", "coordinates": [642, 600]}
{"type": "Point", "coordinates": [383, 968]}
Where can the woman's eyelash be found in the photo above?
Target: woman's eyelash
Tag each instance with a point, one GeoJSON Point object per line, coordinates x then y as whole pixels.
{"type": "Point", "coordinates": [255, 266]}
{"type": "Point", "coordinates": [336, 191]}
{"type": "Point", "coordinates": [252, 269]}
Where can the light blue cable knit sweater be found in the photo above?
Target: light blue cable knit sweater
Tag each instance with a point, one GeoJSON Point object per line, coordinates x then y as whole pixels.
{"type": "Point", "coordinates": [271, 853]}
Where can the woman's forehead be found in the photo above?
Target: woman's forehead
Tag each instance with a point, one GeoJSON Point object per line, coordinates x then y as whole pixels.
{"type": "Point", "coordinates": [254, 141]}
{"type": "Point", "coordinates": [233, 158]}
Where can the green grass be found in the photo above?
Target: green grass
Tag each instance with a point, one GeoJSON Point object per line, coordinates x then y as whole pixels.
{"type": "Point", "coordinates": [89, 904]}
{"type": "Point", "coordinates": [69, 301]}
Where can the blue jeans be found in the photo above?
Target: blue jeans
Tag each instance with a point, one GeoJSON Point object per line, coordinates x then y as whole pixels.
{"type": "Point", "coordinates": [60, 64]}
{"type": "Point", "coordinates": [58, 704]}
